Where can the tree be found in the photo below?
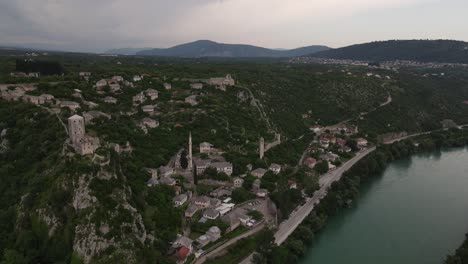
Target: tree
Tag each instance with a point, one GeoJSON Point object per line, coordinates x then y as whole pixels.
{"type": "Point", "coordinates": [304, 233]}
{"type": "Point", "coordinates": [265, 240]}
{"type": "Point", "coordinates": [183, 159]}
{"type": "Point", "coordinates": [296, 246]}
{"type": "Point", "coordinates": [311, 184]}
{"type": "Point", "coordinates": [352, 144]}
{"type": "Point", "coordinates": [322, 167]}
{"type": "Point", "coordinates": [240, 195]}
{"type": "Point", "coordinates": [13, 257]}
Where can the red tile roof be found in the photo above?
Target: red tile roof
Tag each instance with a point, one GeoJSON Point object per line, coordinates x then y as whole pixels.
{"type": "Point", "coordinates": [181, 253]}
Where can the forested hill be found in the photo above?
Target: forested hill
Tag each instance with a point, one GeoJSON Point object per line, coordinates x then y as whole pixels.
{"type": "Point", "coordinates": [449, 51]}
{"type": "Point", "coordinates": [206, 48]}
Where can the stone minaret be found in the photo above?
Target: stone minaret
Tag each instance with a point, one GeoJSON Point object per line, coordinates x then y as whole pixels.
{"type": "Point", "coordinates": [190, 164]}
{"type": "Point", "coordinates": [76, 128]}
{"type": "Point", "coordinates": [262, 148]}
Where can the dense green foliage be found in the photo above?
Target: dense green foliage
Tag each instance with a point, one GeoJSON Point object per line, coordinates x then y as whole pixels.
{"type": "Point", "coordinates": [42, 67]}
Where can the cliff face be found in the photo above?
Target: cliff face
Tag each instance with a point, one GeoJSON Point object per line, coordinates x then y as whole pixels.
{"type": "Point", "coordinates": [57, 205]}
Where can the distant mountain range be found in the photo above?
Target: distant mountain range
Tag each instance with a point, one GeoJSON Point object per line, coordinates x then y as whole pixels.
{"type": "Point", "coordinates": [207, 48]}
{"type": "Point", "coordinates": [125, 51]}
{"type": "Point", "coordinates": [449, 51]}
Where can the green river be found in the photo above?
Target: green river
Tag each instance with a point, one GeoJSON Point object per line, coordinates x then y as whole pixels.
{"type": "Point", "coordinates": [416, 213]}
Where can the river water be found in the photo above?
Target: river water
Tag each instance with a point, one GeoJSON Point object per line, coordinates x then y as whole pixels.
{"type": "Point", "coordinates": [415, 213]}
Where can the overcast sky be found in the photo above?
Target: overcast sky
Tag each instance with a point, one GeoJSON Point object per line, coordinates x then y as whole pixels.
{"type": "Point", "coordinates": [98, 25]}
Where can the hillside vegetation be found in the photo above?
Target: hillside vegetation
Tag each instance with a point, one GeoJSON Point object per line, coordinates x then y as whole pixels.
{"type": "Point", "coordinates": [448, 51]}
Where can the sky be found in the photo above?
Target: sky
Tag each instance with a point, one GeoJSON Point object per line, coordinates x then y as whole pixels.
{"type": "Point", "coordinates": [99, 25]}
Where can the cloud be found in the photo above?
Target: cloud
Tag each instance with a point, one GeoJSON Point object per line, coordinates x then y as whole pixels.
{"type": "Point", "coordinates": [101, 24]}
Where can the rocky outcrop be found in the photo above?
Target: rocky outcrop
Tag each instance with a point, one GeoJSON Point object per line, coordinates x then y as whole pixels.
{"type": "Point", "coordinates": [82, 198]}
{"type": "Point", "coordinates": [120, 229]}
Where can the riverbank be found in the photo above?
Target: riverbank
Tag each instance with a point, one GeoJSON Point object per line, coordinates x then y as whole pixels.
{"type": "Point", "coordinates": [342, 193]}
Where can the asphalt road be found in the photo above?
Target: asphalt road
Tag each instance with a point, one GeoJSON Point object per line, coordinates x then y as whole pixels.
{"type": "Point", "coordinates": [286, 228]}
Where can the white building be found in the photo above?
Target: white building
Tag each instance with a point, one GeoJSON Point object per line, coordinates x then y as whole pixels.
{"type": "Point", "coordinates": [167, 86]}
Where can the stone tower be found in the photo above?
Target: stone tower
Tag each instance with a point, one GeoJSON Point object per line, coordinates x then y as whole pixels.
{"type": "Point", "coordinates": [76, 129]}
{"type": "Point", "coordinates": [262, 148]}
{"type": "Point", "coordinates": [190, 160]}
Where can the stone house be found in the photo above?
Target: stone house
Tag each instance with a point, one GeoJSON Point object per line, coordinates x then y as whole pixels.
{"type": "Point", "coordinates": [262, 193]}
{"type": "Point", "coordinates": [310, 162]}
{"type": "Point", "coordinates": [118, 78]}
{"type": "Point", "coordinates": [211, 214]}
{"type": "Point", "coordinates": [192, 100]}
{"type": "Point", "coordinates": [114, 87]}
{"type": "Point", "coordinates": [196, 86]}
{"type": "Point", "coordinates": [152, 94]}
{"type": "Point", "coordinates": [101, 83]}
{"type": "Point", "coordinates": [225, 167]}
{"type": "Point", "coordinates": [37, 100]}
{"type": "Point", "coordinates": [139, 98]}
{"type": "Point", "coordinates": [205, 147]}
{"type": "Point", "coordinates": [167, 181]}
{"type": "Point", "coordinates": [70, 105]}
{"type": "Point", "coordinates": [259, 172]}
{"type": "Point", "coordinates": [237, 182]}
{"type": "Point", "coordinates": [149, 122]}
{"type": "Point", "coordinates": [191, 210]}
{"type": "Point", "coordinates": [47, 97]}
{"type": "Point", "coordinates": [89, 116]}
{"type": "Point", "coordinates": [110, 100]}
{"type": "Point", "coordinates": [275, 168]}
{"type": "Point", "coordinates": [165, 171]}
{"type": "Point", "coordinates": [180, 199]}
{"type": "Point", "coordinates": [361, 142]}
{"type": "Point", "coordinates": [202, 201]}
{"type": "Point", "coordinates": [148, 109]}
